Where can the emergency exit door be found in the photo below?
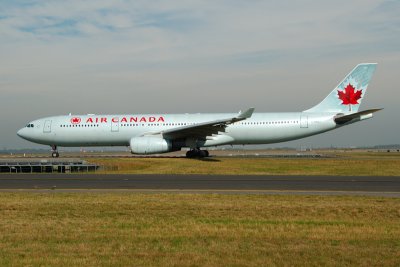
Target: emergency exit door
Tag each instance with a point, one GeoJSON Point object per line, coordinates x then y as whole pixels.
{"type": "Point", "coordinates": [114, 125]}
{"type": "Point", "coordinates": [47, 126]}
{"type": "Point", "coordinates": [303, 121]}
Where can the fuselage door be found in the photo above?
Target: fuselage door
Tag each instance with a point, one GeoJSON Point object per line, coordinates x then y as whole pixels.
{"type": "Point", "coordinates": [303, 121]}
{"type": "Point", "coordinates": [114, 125]}
{"type": "Point", "coordinates": [47, 126]}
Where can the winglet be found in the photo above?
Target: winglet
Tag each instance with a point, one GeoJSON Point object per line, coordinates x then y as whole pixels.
{"type": "Point", "coordinates": [245, 115]}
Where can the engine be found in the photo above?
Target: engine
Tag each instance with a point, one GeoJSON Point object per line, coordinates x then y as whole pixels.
{"type": "Point", "coordinates": [150, 145]}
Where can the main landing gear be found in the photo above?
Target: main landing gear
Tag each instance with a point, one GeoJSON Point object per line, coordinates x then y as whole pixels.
{"type": "Point", "coordinates": [54, 151]}
{"type": "Point", "coordinates": [197, 153]}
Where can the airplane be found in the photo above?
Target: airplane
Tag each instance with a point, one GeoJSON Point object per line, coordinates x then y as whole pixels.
{"type": "Point", "coordinates": [161, 133]}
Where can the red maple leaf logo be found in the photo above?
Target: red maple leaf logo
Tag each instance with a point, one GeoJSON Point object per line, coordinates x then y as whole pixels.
{"type": "Point", "coordinates": [75, 120]}
{"type": "Point", "coordinates": [349, 95]}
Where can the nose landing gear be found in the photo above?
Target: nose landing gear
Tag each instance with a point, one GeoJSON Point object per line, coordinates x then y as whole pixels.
{"type": "Point", "coordinates": [54, 151]}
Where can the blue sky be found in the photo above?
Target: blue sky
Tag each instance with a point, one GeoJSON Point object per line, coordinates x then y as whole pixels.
{"type": "Point", "coordinates": [195, 56]}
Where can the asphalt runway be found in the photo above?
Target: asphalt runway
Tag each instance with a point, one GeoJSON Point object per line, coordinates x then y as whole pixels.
{"type": "Point", "coordinates": [378, 185]}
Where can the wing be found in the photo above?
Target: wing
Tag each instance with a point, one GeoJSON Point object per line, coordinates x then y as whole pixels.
{"type": "Point", "coordinates": [204, 129]}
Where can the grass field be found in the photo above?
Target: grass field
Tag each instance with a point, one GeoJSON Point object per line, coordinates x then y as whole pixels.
{"type": "Point", "coordinates": [95, 229]}
{"type": "Point", "coordinates": [132, 229]}
{"type": "Point", "coordinates": [379, 164]}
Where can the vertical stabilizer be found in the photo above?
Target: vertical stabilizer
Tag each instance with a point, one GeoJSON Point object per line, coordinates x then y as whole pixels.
{"type": "Point", "coordinates": [347, 96]}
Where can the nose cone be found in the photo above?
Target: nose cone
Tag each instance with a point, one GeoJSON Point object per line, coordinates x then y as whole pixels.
{"type": "Point", "coordinates": [22, 133]}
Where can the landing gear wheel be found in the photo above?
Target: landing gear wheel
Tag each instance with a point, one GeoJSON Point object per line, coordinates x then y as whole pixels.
{"type": "Point", "coordinates": [190, 154]}
{"type": "Point", "coordinates": [202, 154]}
{"type": "Point", "coordinates": [54, 151]}
{"type": "Point", "coordinates": [197, 153]}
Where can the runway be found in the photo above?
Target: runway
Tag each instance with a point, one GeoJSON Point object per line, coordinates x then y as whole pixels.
{"type": "Point", "coordinates": [377, 185]}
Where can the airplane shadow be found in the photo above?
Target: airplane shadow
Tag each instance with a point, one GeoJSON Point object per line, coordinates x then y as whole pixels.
{"type": "Point", "coordinates": [209, 159]}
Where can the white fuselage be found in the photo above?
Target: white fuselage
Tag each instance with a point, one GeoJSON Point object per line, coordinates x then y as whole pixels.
{"type": "Point", "coordinates": [160, 133]}
{"type": "Point", "coordinates": [117, 130]}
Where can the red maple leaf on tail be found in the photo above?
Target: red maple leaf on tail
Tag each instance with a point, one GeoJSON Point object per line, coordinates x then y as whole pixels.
{"type": "Point", "coordinates": [349, 95]}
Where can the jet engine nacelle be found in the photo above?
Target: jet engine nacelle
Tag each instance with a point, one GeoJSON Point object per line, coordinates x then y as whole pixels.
{"type": "Point", "coordinates": [150, 145]}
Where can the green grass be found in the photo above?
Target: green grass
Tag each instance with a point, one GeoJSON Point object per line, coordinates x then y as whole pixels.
{"type": "Point", "coordinates": [357, 166]}
{"type": "Point", "coordinates": [94, 229]}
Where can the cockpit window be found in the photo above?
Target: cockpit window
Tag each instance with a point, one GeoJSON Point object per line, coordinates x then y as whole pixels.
{"type": "Point", "coordinates": [30, 125]}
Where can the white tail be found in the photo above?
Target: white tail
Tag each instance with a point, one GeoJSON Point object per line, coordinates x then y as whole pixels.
{"type": "Point", "coordinates": [347, 96]}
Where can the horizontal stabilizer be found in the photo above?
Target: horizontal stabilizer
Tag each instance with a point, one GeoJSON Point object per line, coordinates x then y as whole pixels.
{"type": "Point", "coordinates": [366, 114]}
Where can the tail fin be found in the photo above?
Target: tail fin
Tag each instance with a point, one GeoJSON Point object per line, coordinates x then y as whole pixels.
{"type": "Point", "coordinates": [347, 96]}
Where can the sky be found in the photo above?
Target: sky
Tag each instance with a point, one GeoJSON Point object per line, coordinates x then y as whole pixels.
{"type": "Point", "coordinates": [113, 57]}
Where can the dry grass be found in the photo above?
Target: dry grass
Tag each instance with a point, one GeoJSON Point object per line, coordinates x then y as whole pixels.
{"type": "Point", "coordinates": [197, 230]}
{"type": "Point", "coordinates": [358, 166]}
